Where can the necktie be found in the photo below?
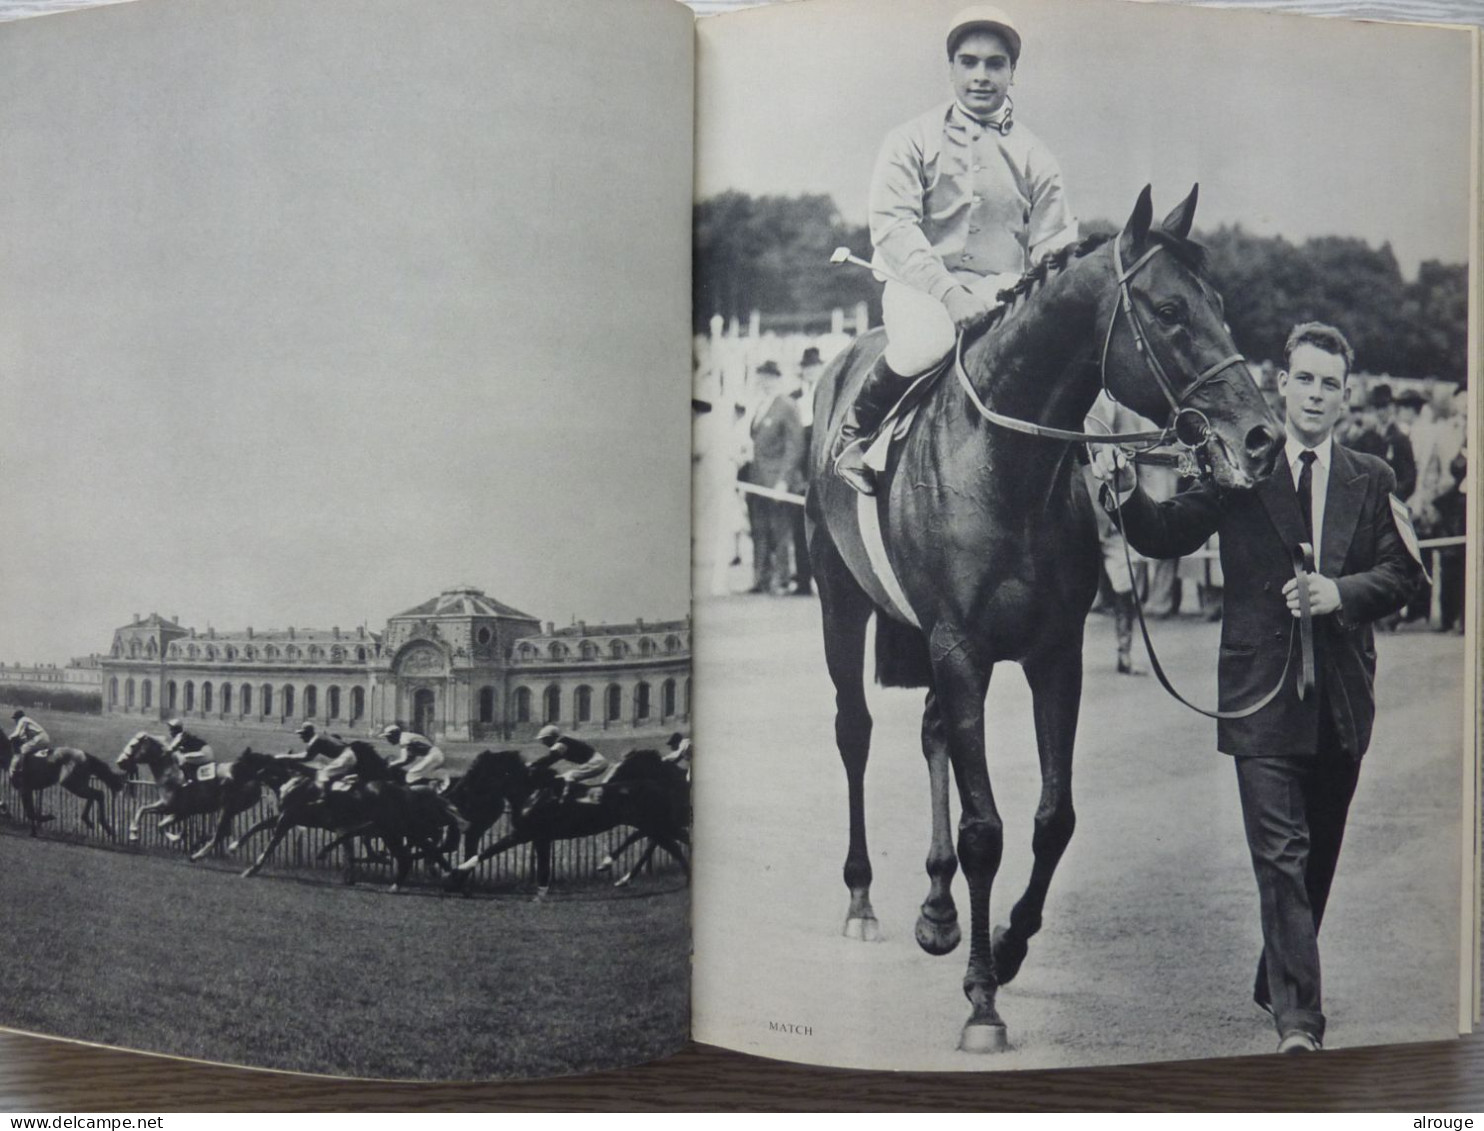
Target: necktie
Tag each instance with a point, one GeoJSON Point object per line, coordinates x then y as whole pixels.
{"type": "Point", "coordinates": [1306, 492]}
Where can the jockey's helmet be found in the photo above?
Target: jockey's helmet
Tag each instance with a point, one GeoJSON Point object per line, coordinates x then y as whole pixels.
{"type": "Point", "coordinates": [548, 732]}
{"type": "Point", "coordinates": [984, 17]}
{"type": "Point", "coordinates": [674, 741]}
{"type": "Point", "coordinates": [305, 730]}
{"type": "Point", "coordinates": [391, 731]}
{"type": "Point", "coordinates": [175, 725]}
{"type": "Point", "coordinates": [17, 716]}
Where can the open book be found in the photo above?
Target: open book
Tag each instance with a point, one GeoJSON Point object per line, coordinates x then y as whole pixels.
{"type": "Point", "coordinates": [393, 485]}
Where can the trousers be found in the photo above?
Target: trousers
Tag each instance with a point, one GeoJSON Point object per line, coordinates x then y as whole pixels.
{"type": "Point", "coordinates": [919, 332]}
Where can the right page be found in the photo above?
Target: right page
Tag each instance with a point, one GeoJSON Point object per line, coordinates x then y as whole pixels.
{"type": "Point", "coordinates": [903, 863]}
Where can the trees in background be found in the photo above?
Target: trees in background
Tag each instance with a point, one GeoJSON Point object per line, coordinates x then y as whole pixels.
{"type": "Point", "coordinates": [771, 253]}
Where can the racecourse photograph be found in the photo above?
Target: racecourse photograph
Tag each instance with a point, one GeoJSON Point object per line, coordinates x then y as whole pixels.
{"type": "Point", "coordinates": [346, 663]}
{"type": "Point", "coordinates": [1082, 427]}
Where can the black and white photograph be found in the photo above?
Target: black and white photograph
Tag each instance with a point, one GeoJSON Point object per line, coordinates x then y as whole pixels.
{"type": "Point", "coordinates": [1119, 352]}
{"type": "Point", "coordinates": [345, 625]}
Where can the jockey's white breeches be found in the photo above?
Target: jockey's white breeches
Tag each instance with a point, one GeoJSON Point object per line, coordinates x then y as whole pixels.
{"type": "Point", "coordinates": [919, 332]}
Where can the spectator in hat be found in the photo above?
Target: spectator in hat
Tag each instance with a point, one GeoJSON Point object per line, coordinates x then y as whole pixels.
{"type": "Point", "coordinates": [777, 464]}
{"type": "Point", "coordinates": [964, 200]}
{"type": "Point", "coordinates": [1397, 448]}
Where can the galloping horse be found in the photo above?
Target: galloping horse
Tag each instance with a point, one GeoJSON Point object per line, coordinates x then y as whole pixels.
{"type": "Point", "coordinates": [74, 770]}
{"type": "Point", "coordinates": [643, 792]}
{"type": "Point", "coordinates": [378, 806]}
{"type": "Point", "coordinates": [987, 549]}
{"type": "Point", "coordinates": [229, 793]}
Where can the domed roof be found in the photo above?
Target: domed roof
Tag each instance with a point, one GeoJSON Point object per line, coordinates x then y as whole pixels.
{"type": "Point", "coordinates": [463, 601]}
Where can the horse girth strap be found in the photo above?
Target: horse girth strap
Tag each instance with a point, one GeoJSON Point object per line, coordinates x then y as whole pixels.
{"type": "Point", "coordinates": [1303, 564]}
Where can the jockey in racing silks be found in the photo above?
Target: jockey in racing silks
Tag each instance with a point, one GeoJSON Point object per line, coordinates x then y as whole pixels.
{"type": "Point", "coordinates": [964, 200]}
{"type": "Point", "coordinates": [576, 764]}
{"type": "Point", "coordinates": [190, 753]}
{"type": "Point", "coordinates": [421, 764]}
{"type": "Point", "coordinates": [28, 737]}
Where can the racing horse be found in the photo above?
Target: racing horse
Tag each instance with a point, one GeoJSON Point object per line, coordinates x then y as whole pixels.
{"type": "Point", "coordinates": [980, 547]}
{"type": "Point", "coordinates": [74, 770]}
{"type": "Point", "coordinates": [228, 793]}
{"type": "Point", "coordinates": [644, 792]}
{"type": "Point", "coordinates": [378, 806]}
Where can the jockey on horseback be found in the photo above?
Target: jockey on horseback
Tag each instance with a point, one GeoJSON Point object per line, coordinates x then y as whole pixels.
{"type": "Point", "coordinates": [421, 764]}
{"type": "Point", "coordinates": [190, 752]}
{"type": "Point", "coordinates": [963, 202]}
{"type": "Point", "coordinates": [28, 737]}
{"type": "Point", "coordinates": [680, 752]}
{"type": "Point", "coordinates": [576, 764]}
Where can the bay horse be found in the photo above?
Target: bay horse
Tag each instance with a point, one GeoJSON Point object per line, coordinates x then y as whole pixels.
{"type": "Point", "coordinates": [378, 806]}
{"type": "Point", "coordinates": [644, 792]}
{"type": "Point", "coordinates": [991, 544]}
{"type": "Point", "coordinates": [230, 792]}
{"type": "Point", "coordinates": [74, 770]}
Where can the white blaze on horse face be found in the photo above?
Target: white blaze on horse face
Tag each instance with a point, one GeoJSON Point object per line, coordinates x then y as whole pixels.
{"type": "Point", "coordinates": [981, 72]}
{"type": "Point", "coordinates": [1313, 391]}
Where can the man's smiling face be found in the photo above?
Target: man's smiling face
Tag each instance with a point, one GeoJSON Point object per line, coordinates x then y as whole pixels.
{"type": "Point", "coordinates": [1313, 390]}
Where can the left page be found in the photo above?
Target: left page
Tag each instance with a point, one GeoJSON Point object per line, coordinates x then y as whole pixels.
{"type": "Point", "coordinates": [351, 340]}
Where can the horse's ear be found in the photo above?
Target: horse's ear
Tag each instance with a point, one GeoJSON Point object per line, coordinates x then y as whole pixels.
{"type": "Point", "coordinates": [1178, 222]}
{"type": "Point", "coordinates": [1136, 231]}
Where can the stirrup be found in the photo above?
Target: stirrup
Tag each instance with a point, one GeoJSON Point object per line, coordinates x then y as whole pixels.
{"type": "Point", "coordinates": [850, 465]}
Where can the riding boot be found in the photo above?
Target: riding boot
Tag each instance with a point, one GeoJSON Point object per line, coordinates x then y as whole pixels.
{"type": "Point", "coordinates": [877, 394]}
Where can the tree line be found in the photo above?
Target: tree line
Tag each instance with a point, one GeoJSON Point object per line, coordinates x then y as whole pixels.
{"type": "Point", "coordinates": [771, 253]}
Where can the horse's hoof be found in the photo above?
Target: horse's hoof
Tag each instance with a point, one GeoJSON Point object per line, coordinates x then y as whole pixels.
{"type": "Point", "coordinates": [1008, 952]}
{"type": "Point", "coordinates": [133, 837]}
{"type": "Point", "coordinates": [938, 938]}
{"type": "Point", "coordinates": [623, 880]}
{"type": "Point", "coordinates": [862, 930]}
{"type": "Point", "coordinates": [984, 1039]}
{"type": "Point", "coordinates": [173, 838]}
{"type": "Point", "coordinates": [606, 864]}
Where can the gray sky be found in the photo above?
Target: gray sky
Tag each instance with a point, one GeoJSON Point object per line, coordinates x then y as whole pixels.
{"type": "Point", "coordinates": [305, 317]}
{"type": "Point", "coordinates": [1292, 126]}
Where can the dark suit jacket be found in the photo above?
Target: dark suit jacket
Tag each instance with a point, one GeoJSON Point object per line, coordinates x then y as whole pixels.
{"type": "Point", "coordinates": [1361, 549]}
{"type": "Point", "coordinates": [777, 447]}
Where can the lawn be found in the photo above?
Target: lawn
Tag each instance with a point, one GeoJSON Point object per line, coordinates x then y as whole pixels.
{"type": "Point", "coordinates": [154, 954]}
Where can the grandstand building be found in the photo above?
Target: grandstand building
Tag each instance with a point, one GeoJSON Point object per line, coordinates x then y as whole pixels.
{"type": "Point", "coordinates": [458, 667]}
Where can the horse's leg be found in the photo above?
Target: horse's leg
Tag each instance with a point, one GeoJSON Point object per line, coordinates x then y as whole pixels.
{"type": "Point", "coordinates": [624, 880]}
{"type": "Point", "coordinates": [1056, 691]}
{"type": "Point", "coordinates": [28, 807]}
{"type": "Point", "coordinates": [937, 923]}
{"type": "Point", "coordinates": [152, 807]}
{"type": "Point", "coordinates": [606, 864]}
{"type": "Point", "coordinates": [960, 686]}
{"type": "Point", "coordinates": [265, 823]}
{"type": "Point", "coordinates": [281, 829]}
{"type": "Point", "coordinates": [543, 870]}
{"type": "Point", "coordinates": [846, 609]}
{"type": "Point", "coordinates": [223, 827]}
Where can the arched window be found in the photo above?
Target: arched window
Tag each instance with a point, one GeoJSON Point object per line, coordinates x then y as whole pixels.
{"type": "Point", "coordinates": [311, 702]}
{"type": "Point", "coordinates": [672, 644]}
{"type": "Point", "coordinates": [246, 700]}
{"type": "Point", "coordinates": [334, 711]}
{"type": "Point", "coordinates": [522, 704]}
{"type": "Point", "coordinates": [557, 651]}
{"type": "Point", "coordinates": [551, 704]}
{"type": "Point", "coordinates": [267, 699]}
{"type": "Point", "coordinates": [133, 649]}
{"type": "Point", "coordinates": [270, 653]}
{"type": "Point", "coordinates": [211, 651]}
{"type": "Point", "coordinates": [190, 696]}
{"type": "Point", "coordinates": [206, 698]}
{"type": "Point", "coordinates": [526, 652]}
{"type": "Point", "coordinates": [646, 646]}
{"type": "Point", "coordinates": [618, 649]}
{"type": "Point", "coordinates": [582, 707]}
{"type": "Point", "coordinates": [486, 704]}
{"type": "Point", "coordinates": [667, 698]}
{"type": "Point", "coordinates": [288, 700]}
{"type": "Point", "coordinates": [193, 651]}
{"type": "Point", "coordinates": [641, 701]}
{"type": "Point", "coordinates": [337, 655]}
{"type": "Point", "coordinates": [117, 652]}
{"type": "Point", "coordinates": [292, 652]}
{"type": "Point", "coordinates": [150, 650]}
{"type": "Point", "coordinates": [613, 703]}
{"type": "Point", "coordinates": [229, 652]}
{"type": "Point", "coordinates": [170, 696]}
{"type": "Point", "coordinates": [128, 694]}
{"type": "Point", "coordinates": [113, 692]}
{"type": "Point", "coordinates": [360, 655]}
{"type": "Point", "coordinates": [249, 653]}
{"type": "Point", "coordinates": [149, 695]}
{"type": "Point", "coordinates": [226, 699]}
{"type": "Point", "coordinates": [357, 703]}
{"type": "Point", "coordinates": [314, 652]}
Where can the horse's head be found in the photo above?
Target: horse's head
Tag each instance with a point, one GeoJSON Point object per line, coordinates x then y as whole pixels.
{"type": "Point", "coordinates": [143, 749]}
{"type": "Point", "coordinates": [1167, 352]}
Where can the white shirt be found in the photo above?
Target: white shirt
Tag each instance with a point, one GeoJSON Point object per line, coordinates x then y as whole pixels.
{"type": "Point", "coordinates": [1320, 482]}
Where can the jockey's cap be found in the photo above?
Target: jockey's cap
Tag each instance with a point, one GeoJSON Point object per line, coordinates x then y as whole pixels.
{"type": "Point", "coordinates": [674, 741]}
{"type": "Point", "coordinates": [304, 730]}
{"type": "Point", "coordinates": [391, 731]}
{"type": "Point", "coordinates": [16, 716]}
{"type": "Point", "coordinates": [175, 724]}
{"type": "Point", "coordinates": [546, 732]}
{"type": "Point", "coordinates": [984, 17]}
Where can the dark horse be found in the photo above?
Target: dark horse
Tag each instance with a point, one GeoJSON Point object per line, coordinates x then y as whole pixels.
{"type": "Point", "coordinates": [230, 792]}
{"type": "Point", "coordinates": [74, 770]}
{"type": "Point", "coordinates": [377, 806]}
{"type": "Point", "coordinates": [990, 536]}
{"type": "Point", "coordinates": [644, 792]}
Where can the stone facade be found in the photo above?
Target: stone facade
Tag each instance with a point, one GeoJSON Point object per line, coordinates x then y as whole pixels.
{"type": "Point", "coordinates": [459, 667]}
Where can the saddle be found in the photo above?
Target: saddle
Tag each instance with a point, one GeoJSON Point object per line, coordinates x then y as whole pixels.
{"type": "Point", "coordinates": [899, 417]}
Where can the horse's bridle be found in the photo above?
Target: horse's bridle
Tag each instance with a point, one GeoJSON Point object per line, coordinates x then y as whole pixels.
{"type": "Point", "coordinates": [1188, 426]}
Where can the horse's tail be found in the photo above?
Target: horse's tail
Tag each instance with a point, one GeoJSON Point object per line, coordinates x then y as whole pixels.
{"type": "Point", "coordinates": [104, 772]}
{"type": "Point", "coordinates": [901, 654]}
